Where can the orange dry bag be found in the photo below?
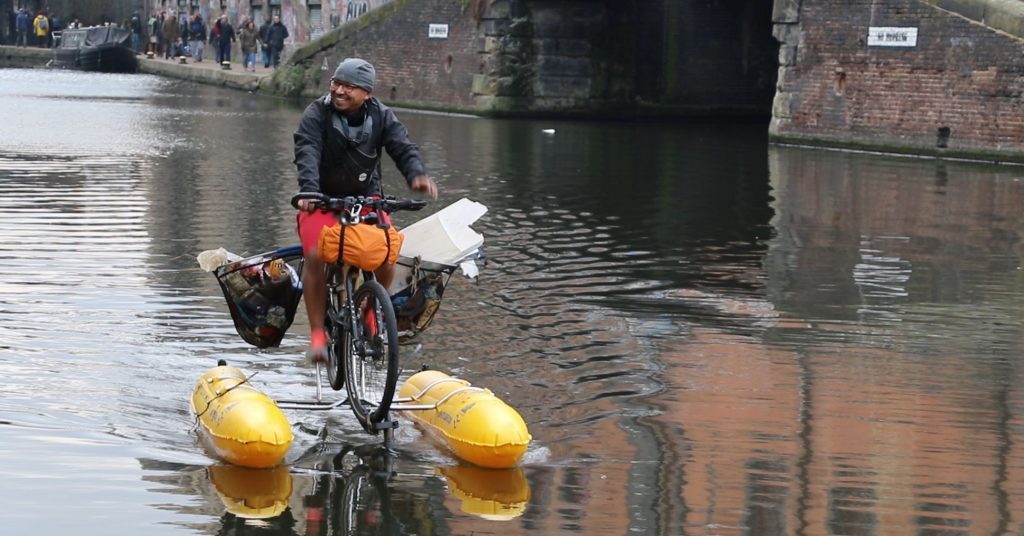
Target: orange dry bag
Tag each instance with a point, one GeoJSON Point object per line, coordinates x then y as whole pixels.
{"type": "Point", "coordinates": [365, 246]}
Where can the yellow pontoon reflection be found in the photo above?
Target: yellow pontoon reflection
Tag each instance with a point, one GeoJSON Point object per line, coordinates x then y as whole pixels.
{"type": "Point", "coordinates": [252, 493]}
{"type": "Point", "coordinates": [496, 494]}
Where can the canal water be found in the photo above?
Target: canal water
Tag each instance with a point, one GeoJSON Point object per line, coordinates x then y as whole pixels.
{"type": "Point", "coordinates": [705, 333]}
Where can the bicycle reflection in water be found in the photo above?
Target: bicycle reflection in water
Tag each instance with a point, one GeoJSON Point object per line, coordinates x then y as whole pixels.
{"type": "Point", "coordinates": [350, 492]}
{"type": "Point", "coordinates": [349, 495]}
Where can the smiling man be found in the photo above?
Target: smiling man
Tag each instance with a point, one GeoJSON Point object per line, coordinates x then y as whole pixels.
{"type": "Point", "coordinates": [338, 149]}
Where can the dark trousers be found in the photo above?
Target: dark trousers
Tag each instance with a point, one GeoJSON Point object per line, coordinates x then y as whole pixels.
{"type": "Point", "coordinates": [225, 51]}
{"type": "Point", "coordinates": [275, 55]}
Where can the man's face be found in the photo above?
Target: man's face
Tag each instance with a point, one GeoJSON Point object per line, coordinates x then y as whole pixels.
{"type": "Point", "coordinates": [347, 98]}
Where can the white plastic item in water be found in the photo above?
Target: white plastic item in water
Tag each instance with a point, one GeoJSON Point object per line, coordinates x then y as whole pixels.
{"type": "Point", "coordinates": [445, 237]}
{"type": "Point", "coordinates": [212, 259]}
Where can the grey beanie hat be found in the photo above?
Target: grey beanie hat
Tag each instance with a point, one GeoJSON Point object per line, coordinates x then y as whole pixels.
{"type": "Point", "coordinates": [356, 72]}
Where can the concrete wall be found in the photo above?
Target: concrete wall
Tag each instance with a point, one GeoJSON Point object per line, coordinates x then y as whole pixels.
{"type": "Point", "coordinates": [957, 92]}
{"type": "Point", "coordinates": [24, 57]}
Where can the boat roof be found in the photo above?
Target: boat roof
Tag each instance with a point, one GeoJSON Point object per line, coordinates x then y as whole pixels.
{"type": "Point", "coordinates": [94, 35]}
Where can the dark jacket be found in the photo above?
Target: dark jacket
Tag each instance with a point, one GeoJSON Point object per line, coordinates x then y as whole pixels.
{"type": "Point", "coordinates": [264, 31]}
{"type": "Point", "coordinates": [227, 33]}
{"type": "Point", "coordinates": [197, 30]}
{"type": "Point", "coordinates": [276, 35]}
{"type": "Point", "coordinates": [328, 162]}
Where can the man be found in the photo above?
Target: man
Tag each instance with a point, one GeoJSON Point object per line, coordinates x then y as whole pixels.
{"type": "Point", "coordinates": [136, 26]}
{"type": "Point", "coordinates": [338, 152]}
{"type": "Point", "coordinates": [264, 40]}
{"type": "Point", "coordinates": [225, 37]}
{"type": "Point", "coordinates": [197, 37]}
{"type": "Point", "coordinates": [22, 24]}
{"type": "Point", "coordinates": [170, 33]}
{"type": "Point", "coordinates": [276, 35]}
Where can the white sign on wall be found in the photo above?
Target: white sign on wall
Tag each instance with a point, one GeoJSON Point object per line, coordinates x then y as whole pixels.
{"type": "Point", "coordinates": [438, 31]}
{"type": "Point", "coordinates": [888, 36]}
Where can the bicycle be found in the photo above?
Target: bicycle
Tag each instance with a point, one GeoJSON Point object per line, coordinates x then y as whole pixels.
{"type": "Point", "coordinates": [360, 322]}
{"type": "Point", "coordinates": [361, 316]}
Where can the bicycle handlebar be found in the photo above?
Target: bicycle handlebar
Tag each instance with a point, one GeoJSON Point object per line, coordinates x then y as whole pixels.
{"type": "Point", "coordinates": [338, 204]}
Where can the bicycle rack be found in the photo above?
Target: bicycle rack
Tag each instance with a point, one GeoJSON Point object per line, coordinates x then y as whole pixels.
{"type": "Point", "coordinates": [316, 405]}
{"type": "Point", "coordinates": [397, 404]}
{"type": "Point", "coordinates": [402, 403]}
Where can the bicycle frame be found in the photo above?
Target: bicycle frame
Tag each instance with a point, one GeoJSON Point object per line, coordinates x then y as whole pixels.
{"type": "Point", "coordinates": [341, 315]}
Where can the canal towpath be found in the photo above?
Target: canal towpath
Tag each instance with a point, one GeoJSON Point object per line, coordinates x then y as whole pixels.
{"type": "Point", "coordinates": [205, 72]}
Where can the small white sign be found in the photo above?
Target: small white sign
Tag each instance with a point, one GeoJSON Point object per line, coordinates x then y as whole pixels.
{"type": "Point", "coordinates": [887, 36]}
{"type": "Point", "coordinates": [438, 31]}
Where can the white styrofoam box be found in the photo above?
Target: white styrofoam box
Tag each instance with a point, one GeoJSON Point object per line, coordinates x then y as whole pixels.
{"type": "Point", "coordinates": [445, 237]}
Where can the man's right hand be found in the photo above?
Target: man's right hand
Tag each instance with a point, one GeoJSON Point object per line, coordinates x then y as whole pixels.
{"type": "Point", "coordinates": [306, 205]}
{"type": "Point", "coordinates": [424, 184]}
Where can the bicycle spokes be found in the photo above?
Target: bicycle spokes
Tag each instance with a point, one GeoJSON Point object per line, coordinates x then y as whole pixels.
{"type": "Point", "coordinates": [372, 368]}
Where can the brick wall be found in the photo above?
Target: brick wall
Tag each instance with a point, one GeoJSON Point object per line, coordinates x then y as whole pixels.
{"type": "Point", "coordinates": [412, 68]}
{"type": "Point", "coordinates": [958, 91]}
{"type": "Point", "coordinates": [579, 57]}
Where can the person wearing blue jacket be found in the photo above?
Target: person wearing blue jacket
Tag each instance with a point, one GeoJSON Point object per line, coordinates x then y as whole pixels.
{"type": "Point", "coordinates": [22, 24]}
{"type": "Point", "coordinates": [197, 37]}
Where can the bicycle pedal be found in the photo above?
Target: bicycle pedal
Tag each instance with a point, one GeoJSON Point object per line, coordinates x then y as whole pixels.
{"type": "Point", "coordinates": [390, 424]}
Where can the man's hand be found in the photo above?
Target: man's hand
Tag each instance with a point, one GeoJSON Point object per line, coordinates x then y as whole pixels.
{"type": "Point", "coordinates": [425, 184]}
{"type": "Point", "coordinates": [306, 205]}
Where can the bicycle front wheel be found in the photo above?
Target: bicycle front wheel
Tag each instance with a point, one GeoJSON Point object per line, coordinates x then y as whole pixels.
{"type": "Point", "coordinates": [371, 367]}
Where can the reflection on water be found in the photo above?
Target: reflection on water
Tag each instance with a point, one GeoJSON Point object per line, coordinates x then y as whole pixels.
{"type": "Point", "coordinates": [704, 334]}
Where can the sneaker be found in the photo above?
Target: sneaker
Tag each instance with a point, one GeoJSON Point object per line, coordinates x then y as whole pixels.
{"type": "Point", "coordinates": [317, 352]}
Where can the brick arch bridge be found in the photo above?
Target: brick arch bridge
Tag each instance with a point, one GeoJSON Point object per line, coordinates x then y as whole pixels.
{"type": "Point", "coordinates": [924, 76]}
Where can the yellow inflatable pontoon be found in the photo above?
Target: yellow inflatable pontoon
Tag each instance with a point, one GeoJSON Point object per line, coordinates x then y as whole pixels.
{"type": "Point", "coordinates": [239, 423]}
{"type": "Point", "coordinates": [471, 422]}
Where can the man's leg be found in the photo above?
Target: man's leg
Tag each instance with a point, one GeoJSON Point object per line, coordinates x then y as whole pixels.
{"type": "Point", "coordinates": [314, 292]}
{"type": "Point", "coordinates": [314, 282]}
{"type": "Point", "coordinates": [385, 274]}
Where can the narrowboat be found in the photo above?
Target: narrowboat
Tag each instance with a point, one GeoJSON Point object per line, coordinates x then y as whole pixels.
{"type": "Point", "coordinates": [96, 48]}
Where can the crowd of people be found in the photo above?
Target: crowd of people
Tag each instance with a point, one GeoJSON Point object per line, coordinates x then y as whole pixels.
{"type": "Point", "coordinates": [167, 34]}
{"type": "Point", "coordinates": [172, 36]}
{"type": "Point", "coordinates": [25, 29]}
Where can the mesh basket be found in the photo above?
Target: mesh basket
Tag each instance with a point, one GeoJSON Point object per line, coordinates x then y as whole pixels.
{"type": "Point", "coordinates": [263, 293]}
{"type": "Point", "coordinates": [422, 287]}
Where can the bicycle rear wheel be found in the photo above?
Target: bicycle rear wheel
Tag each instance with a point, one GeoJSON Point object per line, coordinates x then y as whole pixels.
{"type": "Point", "coordinates": [371, 365]}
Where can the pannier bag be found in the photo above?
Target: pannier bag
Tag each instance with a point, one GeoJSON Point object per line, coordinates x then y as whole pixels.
{"type": "Point", "coordinates": [366, 246]}
{"type": "Point", "coordinates": [263, 293]}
